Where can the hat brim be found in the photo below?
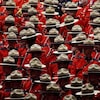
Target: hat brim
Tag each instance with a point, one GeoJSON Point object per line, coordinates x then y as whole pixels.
{"type": "Point", "coordinates": [66, 24]}
{"type": "Point", "coordinates": [29, 67]}
{"type": "Point", "coordinates": [73, 9]}
{"type": "Point", "coordinates": [9, 98]}
{"type": "Point", "coordinates": [76, 42]}
{"type": "Point", "coordinates": [2, 32]}
{"type": "Point", "coordinates": [32, 36]}
{"type": "Point", "coordinates": [51, 92]}
{"type": "Point", "coordinates": [45, 13]}
{"type": "Point", "coordinates": [9, 23]}
{"type": "Point", "coordinates": [25, 27]}
{"type": "Point", "coordinates": [61, 77]}
{"type": "Point", "coordinates": [9, 32]}
{"type": "Point", "coordinates": [97, 9]}
{"type": "Point", "coordinates": [86, 94]}
{"type": "Point", "coordinates": [17, 79]}
{"type": "Point", "coordinates": [93, 72]}
{"type": "Point", "coordinates": [33, 3]}
{"type": "Point", "coordinates": [1, 86]}
{"type": "Point", "coordinates": [35, 51]}
{"type": "Point", "coordinates": [55, 25]}
{"type": "Point", "coordinates": [12, 39]}
{"type": "Point", "coordinates": [52, 35]}
{"type": "Point", "coordinates": [46, 4]}
{"type": "Point", "coordinates": [57, 61]}
{"type": "Point", "coordinates": [55, 43]}
{"type": "Point", "coordinates": [36, 23]}
{"type": "Point", "coordinates": [63, 52]}
{"type": "Point", "coordinates": [7, 64]}
{"type": "Point", "coordinates": [94, 24]}
{"type": "Point", "coordinates": [72, 32]}
{"type": "Point", "coordinates": [11, 7]}
{"type": "Point", "coordinates": [43, 82]}
{"type": "Point", "coordinates": [72, 87]}
{"type": "Point", "coordinates": [17, 56]}
{"type": "Point", "coordinates": [86, 45]}
{"type": "Point", "coordinates": [96, 41]}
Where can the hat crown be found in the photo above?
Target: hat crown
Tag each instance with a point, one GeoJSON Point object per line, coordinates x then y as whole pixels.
{"type": "Point", "coordinates": [33, 1]}
{"type": "Point", "coordinates": [11, 35]}
{"type": "Point", "coordinates": [71, 5]}
{"type": "Point", "coordinates": [77, 28]}
{"type": "Point", "coordinates": [48, 1]}
{"type": "Point", "coordinates": [55, 2]}
{"type": "Point", "coordinates": [70, 97]}
{"type": "Point", "coordinates": [94, 67]}
{"type": "Point", "coordinates": [17, 93]}
{"type": "Point", "coordinates": [88, 41]}
{"type": "Point", "coordinates": [35, 62]}
{"type": "Point", "coordinates": [87, 86]}
{"type": "Point", "coordinates": [76, 80]}
{"type": "Point", "coordinates": [31, 96]}
{"type": "Point", "coordinates": [13, 53]}
{"type": "Point", "coordinates": [45, 77]}
{"type": "Point", "coordinates": [68, 19]}
{"type": "Point", "coordinates": [96, 5]}
{"type": "Point", "coordinates": [35, 47]}
{"type": "Point", "coordinates": [50, 9]}
{"type": "Point", "coordinates": [80, 37]}
{"type": "Point", "coordinates": [97, 36]}
{"type": "Point", "coordinates": [26, 6]}
{"type": "Point", "coordinates": [34, 18]}
{"type": "Point", "coordinates": [29, 24]}
{"type": "Point", "coordinates": [10, 3]}
{"type": "Point", "coordinates": [53, 31]}
{"type": "Point", "coordinates": [23, 32]}
{"type": "Point", "coordinates": [94, 13]}
{"type": "Point", "coordinates": [52, 21]}
{"type": "Point", "coordinates": [30, 32]}
{"type": "Point", "coordinates": [8, 59]}
{"type": "Point", "coordinates": [96, 30]}
{"type": "Point", "coordinates": [10, 18]}
{"type": "Point", "coordinates": [62, 47]}
{"type": "Point", "coordinates": [53, 87]}
{"type": "Point", "coordinates": [97, 2]}
{"type": "Point", "coordinates": [32, 10]}
{"type": "Point", "coordinates": [63, 71]}
{"type": "Point", "coordinates": [13, 29]}
{"type": "Point", "coordinates": [59, 39]}
{"type": "Point", "coordinates": [96, 20]}
{"type": "Point", "coordinates": [62, 57]}
{"type": "Point", "coordinates": [16, 74]}
{"type": "Point", "coordinates": [67, 4]}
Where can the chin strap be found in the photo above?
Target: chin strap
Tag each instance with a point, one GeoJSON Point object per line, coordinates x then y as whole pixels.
{"type": "Point", "coordinates": [19, 12]}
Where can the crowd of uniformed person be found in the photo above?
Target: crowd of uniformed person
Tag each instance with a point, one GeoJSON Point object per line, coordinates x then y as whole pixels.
{"type": "Point", "coordinates": [49, 49]}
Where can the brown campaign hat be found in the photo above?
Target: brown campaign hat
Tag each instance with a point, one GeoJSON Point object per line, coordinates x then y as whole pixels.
{"type": "Point", "coordinates": [35, 64]}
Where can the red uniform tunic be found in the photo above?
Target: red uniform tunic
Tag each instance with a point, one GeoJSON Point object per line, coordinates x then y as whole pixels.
{"type": "Point", "coordinates": [33, 88]}
{"type": "Point", "coordinates": [84, 16]}
{"type": "Point", "coordinates": [19, 3]}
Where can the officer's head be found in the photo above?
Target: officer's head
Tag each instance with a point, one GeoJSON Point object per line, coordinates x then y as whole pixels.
{"type": "Point", "coordinates": [36, 50]}
{"type": "Point", "coordinates": [8, 65]}
{"type": "Point", "coordinates": [9, 21]}
{"type": "Point", "coordinates": [33, 3]}
{"type": "Point", "coordinates": [10, 6]}
{"type": "Point", "coordinates": [57, 41]}
{"type": "Point", "coordinates": [35, 68]}
{"type": "Point", "coordinates": [14, 80]}
{"type": "Point", "coordinates": [12, 39]}
{"type": "Point", "coordinates": [62, 61]}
